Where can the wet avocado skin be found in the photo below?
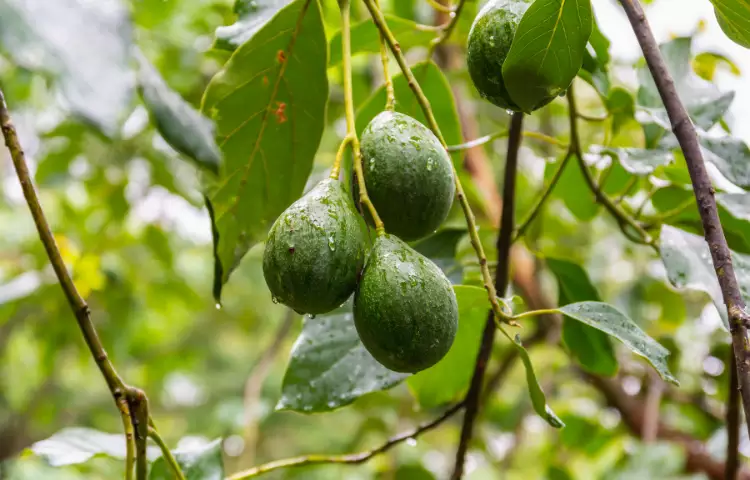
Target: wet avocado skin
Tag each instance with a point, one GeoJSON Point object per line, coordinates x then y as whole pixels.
{"type": "Point", "coordinates": [405, 309]}
{"type": "Point", "coordinates": [315, 250]}
{"type": "Point", "coordinates": [489, 43]}
{"type": "Point", "coordinates": [408, 174]}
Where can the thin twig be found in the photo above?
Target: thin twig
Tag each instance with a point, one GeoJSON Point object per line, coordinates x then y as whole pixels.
{"type": "Point", "coordinates": [351, 458]}
{"type": "Point", "coordinates": [651, 408]}
{"type": "Point", "coordinates": [502, 278]}
{"type": "Point", "coordinates": [504, 133]}
{"type": "Point", "coordinates": [704, 194]}
{"type": "Point", "coordinates": [138, 404]}
{"type": "Point", "coordinates": [446, 31]}
{"type": "Point", "coordinates": [80, 309]}
{"type": "Point", "coordinates": [440, 7]}
{"type": "Point", "coordinates": [390, 94]}
{"type": "Point", "coordinates": [625, 191]}
{"type": "Point", "coordinates": [623, 219]}
{"type": "Point", "coordinates": [424, 103]}
{"type": "Point", "coordinates": [733, 423]}
{"type": "Point", "coordinates": [166, 453]}
{"type": "Point", "coordinates": [542, 198]}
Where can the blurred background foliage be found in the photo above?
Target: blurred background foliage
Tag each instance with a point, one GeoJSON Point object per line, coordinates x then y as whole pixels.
{"type": "Point", "coordinates": [127, 211]}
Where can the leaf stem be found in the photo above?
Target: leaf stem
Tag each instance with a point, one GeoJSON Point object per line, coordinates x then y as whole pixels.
{"type": "Point", "coordinates": [116, 385]}
{"type": "Point", "coordinates": [664, 216]}
{"type": "Point", "coordinates": [351, 129]}
{"type": "Point", "coordinates": [542, 198]}
{"type": "Point", "coordinates": [591, 118]}
{"type": "Point", "coordinates": [424, 103]}
{"type": "Point", "coordinates": [536, 313]}
{"type": "Point", "coordinates": [446, 31]}
{"type": "Point", "coordinates": [351, 458]}
{"type": "Point", "coordinates": [440, 7]}
{"type": "Point", "coordinates": [336, 169]}
{"type": "Point", "coordinates": [704, 193]}
{"type": "Point", "coordinates": [625, 191]}
{"type": "Point", "coordinates": [623, 219]}
{"type": "Point", "coordinates": [171, 461]}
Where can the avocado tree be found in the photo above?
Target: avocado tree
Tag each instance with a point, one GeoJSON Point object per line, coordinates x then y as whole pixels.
{"type": "Point", "coordinates": [340, 185]}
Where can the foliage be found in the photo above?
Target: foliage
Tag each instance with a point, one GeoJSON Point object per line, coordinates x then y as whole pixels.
{"type": "Point", "coordinates": [165, 137]}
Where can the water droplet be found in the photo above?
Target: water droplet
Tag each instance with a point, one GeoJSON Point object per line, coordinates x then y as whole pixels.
{"type": "Point", "coordinates": [412, 442]}
{"type": "Point", "coordinates": [275, 300]}
{"type": "Point", "coordinates": [311, 316]}
{"type": "Point", "coordinates": [218, 306]}
{"type": "Point", "coordinates": [331, 243]}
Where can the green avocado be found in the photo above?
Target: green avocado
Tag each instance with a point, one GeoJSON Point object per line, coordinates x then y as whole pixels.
{"type": "Point", "coordinates": [408, 175]}
{"type": "Point", "coordinates": [405, 309]}
{"type": "Point", "coordinates": [315, 250]}
{"type": "Point", "coordinates": [490, 38]}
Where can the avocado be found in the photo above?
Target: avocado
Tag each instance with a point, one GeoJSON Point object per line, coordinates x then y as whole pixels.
{"type": "Point", "coordinates": [490, 38]}
{"type": "Point", "coordinates": [408, 175]}
{"type": "Point", "coordinates": [315, 250]}
{"type": "Point", "coordinates": [405, 309]}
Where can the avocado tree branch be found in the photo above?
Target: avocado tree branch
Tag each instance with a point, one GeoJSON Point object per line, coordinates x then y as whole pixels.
{"type": "Point", "coordinates": [623, 219]}
{"type": "Point", "coordinates": [351, 129]}
{"type": "Point", "coordinates": [502, 278]}
{"type": "Point", "coordinates": [350, 458]}
{"type": "Point", "coordinates": [380, 23]}
{"type": "Point", "coordinates": [117, 386]}
{"type": "Point", "coordinates": [683, 129]}
{"type": "Point", "coordinates": [733, 422]}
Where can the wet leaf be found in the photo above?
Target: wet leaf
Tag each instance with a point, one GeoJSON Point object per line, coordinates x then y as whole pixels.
{"type": "Point", "coordinates": [198, 462]}
{"type": "Point", "coordinates": [613, 322]}
{"type": "Point", "coordinates": [269, 107]}
{"type": "Point", "coordinates": [329, 367]}
{"type": "Point", "coordinates": [76, 445]}
{"type": "Point", "coordinates": [639, 161]}
{"type": "Point", "coordinates": [547, 51]}
{"type": "Point", "coordinates": [591, 347]}
{"type": "Point", "coordinates": [450, 377]}
{"type": "Point", "coordinates": [85, 45]}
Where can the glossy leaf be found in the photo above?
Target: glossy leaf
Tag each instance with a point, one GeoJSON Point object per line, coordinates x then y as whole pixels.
{"type": "Point", "coordinates": [731, 156]}
{"type": "Point", "coordinates": [366, 39]}
{"type": "Point", "coordinates": [547, 50]}
{"type": "Point", "coordinates": [441, 249]}
{"type": "Point", "coordinates": [591, 347]}
{"type": "Point", "coordinates": [595, 67]}
{"type": "Point", "coordinates": [734, 19]}
{"type": "Point", "coordinates": [269, 107]}
{"type": "Point", "coordinates": [639, 161]}
{"type": "Point", "coordinates": [85, 45]}
{"type": "Point", "coordinates": [201, 462]}
{"type": "Point", "coordinates": [706, 64]}
{"type": "Point", "coordinates": [538, 399]}
{"type": "Point", "coordinates": [621, 106]}
{"type": "Point", "coordinates": [581, 203]}
{"type": "Point", "coordinates": [184, 128]}
{"type": "Point", "coordinates": [613, 322]}
{"type": "Point", "coordinates": [71, 446]}
{"type": "Point", "coordinates": [687, 260]}
{"type": "Point", "coordinates": [329, 367]}
{"type": "Point", "coordinates": [252, 15]}
{"type": "Point", "coordinates": [450, 377]}
{"type": "Point", "coordinates": [703, 100]}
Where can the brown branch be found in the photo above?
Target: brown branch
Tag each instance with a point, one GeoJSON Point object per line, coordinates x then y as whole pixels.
{"type": "Point", "coordinates": [504, 241]}
{"type": "Point", "coordinates": [733, 422]}
{"type": "Point", "coordinates": [651, 408]}
{"type": "Point", "coordinates": [348, 459]}
{"type": "Point", "coordinates": [116, 385]}
{"type": "Point", "coordinates": [698, 459]}
{"type": "Point", "coordinates": [704, 195]}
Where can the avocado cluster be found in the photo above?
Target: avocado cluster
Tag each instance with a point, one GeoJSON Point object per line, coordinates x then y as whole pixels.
{"type": "Point", "coordinates": [405, 310]}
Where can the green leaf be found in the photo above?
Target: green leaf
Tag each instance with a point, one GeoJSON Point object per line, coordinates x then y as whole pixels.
{"type": "Point", "coordinates": [734, 19]}
{"type": "Point", "coordinates": [366, 38]}
{"type": "Point", "coordinates": [269, 107]}
{"type": "Point", "coordinates": [440, 247]}
{"type": "Point", "coordinates": [547, 51]}
{"type": "Point", "coordinates": [591, 347]}
{"type": "Point", "coordinates": [613, 322]}
{"type": "Point", "coordinates": [75, 445]}
{"type": "Point", "coordinates": [185, 129]}
{"type": "Point", "coordinates": [538, 399]}
{"type": "Point", "coordinates": [705, 65]}
{"type": "Point", "coordinates": [621, 106]}
{"type": "Point", "coordinates": [85, 45]}
{"type": "Point", "coordinates": [329, 367]}
{"type": "Point", "coordinates": [201, 462]}
{"type": "Point", "coordinates": [705, 103]}
{"type": "Point", "coordinates": [687, 260]}
{"type": "Point", "coordinates": [730, 155]}
{"type": "Point", "coordinates": [581, 204]}
{"type": "Point", "coordinates": [639, 161]}
{"type": "Point", "coordinates": [595, 67]}
{"type": "Point", "coordinates": [450, 377]}
{"type": "Point", "coordinates": [252, 15]}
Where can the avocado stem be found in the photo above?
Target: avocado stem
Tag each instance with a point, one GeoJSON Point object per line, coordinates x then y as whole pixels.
{"type": "Point", "coordinates": [390, 95]}
{"type": "Point", "coordinates": [339, 156]}
{"type": "Point", "coordinates": [351, 131]}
